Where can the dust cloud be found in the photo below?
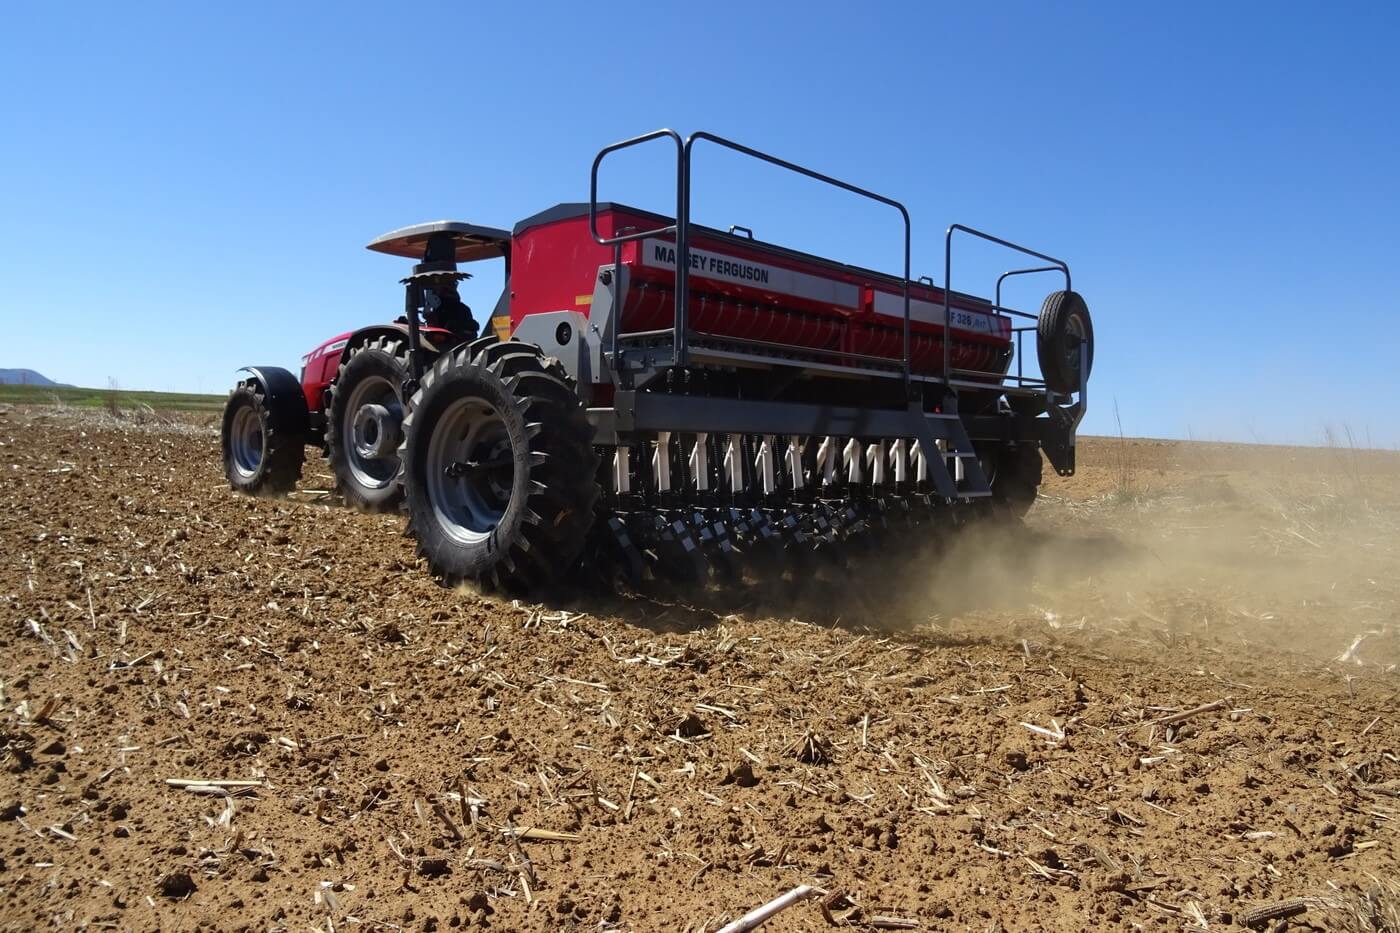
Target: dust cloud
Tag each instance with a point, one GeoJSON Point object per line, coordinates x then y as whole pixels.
{"type": "Point", "coordinates": [1262, 549]}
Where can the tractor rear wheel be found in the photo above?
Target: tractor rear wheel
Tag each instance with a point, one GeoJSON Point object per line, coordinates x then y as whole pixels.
{"type": "Point", "coordinates": [262, 449]}
{"type": "Point", "coordinates": [499, 469]}
{"type": "Point", "coordinates": [364, 419]}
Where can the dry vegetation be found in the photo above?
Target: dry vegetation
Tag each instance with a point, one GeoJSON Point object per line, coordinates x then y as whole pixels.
{"type": "Point", "coordinates": [1172, 710]}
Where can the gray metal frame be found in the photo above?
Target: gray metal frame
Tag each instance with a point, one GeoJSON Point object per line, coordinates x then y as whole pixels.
{"type": "Point", "coordinates": [680, 328]}
{"type": "Point", "coordinates": [679, 347]}
{"type": "Point", "coordinates": [681, 221]}
{"type": "Point", "coordinates": [646, 413]}
{"type": "Point", "coordinates": [656, 351]}
{"type": "Point", "coordinates": [683, 238]}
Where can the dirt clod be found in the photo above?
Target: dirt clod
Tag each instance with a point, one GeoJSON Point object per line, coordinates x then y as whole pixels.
{"type": "Point", "coordinates": [178, 883]}
{"type": "Point", "coordinates": [434, 867]}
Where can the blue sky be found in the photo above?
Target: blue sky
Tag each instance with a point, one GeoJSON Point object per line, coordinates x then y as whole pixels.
{"type": "Point", "coordinates": [188, 188]}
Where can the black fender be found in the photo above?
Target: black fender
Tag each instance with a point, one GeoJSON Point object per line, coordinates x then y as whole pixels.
{"type": "Point", "coordinates": [285, 400]}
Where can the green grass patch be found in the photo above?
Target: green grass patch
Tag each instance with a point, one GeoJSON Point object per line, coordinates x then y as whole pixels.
{"type": "Point", "coordinates": [109, 398]}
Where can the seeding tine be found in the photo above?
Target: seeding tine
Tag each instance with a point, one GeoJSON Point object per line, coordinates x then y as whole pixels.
{"type": "Point", "coordinates": [919, 461]}
{"type": "Point", "coordinates": [899, 461]}
{"type": "Point", "coordinates": [763, 466]}
{"type": "Point", "coordinates": [721, 506]}
{"type": "Point", "coordinates": [699, 462]}
{"type": "Point", "coordinates": [734, 464]}
{"type": "Point", "coordinates": [826, 461]}
{"type": "Point", "coordinates": [793, 461]}
{"type": "Point", "coordinates": [622, 470]}
{"type": "Point", "coordinates": [661, 462]}
{"type": "Point", "coordinates": [875, 457]}
{"type": "Point", "coordinates": [851, 460]}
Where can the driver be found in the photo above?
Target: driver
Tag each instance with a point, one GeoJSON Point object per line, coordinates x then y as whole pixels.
{"type": "Point", "coordinates": [443, 307]}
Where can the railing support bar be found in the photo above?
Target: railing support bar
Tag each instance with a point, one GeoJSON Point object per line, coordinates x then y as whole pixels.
{"type": "Point", "coordinates": [818, 176]}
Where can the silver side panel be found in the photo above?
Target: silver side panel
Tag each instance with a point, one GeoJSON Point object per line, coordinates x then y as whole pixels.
{"type": "Point", "coordinates": [563, 335]}
{"type": "Point", "coordinates": [609, 293]}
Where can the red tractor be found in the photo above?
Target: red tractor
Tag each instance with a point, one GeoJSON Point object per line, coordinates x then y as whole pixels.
{"type": "Point", "coordinates": [666, 399]}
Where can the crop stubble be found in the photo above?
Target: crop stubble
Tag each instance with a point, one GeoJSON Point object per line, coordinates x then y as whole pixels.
{"type": "Point", "coordinates": [1166, 705]}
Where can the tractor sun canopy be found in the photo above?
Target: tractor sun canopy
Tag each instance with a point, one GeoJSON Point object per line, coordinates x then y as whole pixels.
{"type": "Point", "coordinates": [470, 241]}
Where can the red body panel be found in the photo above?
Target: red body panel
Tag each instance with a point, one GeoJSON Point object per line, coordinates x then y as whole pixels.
{"type": "Point", "coordinates": [739, 289]}
{"type": "Point", "coordinates": [750, 291]}
{"type": "Point", "coordinates": [319, 367]}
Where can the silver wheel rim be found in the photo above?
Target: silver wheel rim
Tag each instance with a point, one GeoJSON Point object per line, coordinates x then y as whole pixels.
{"type": "Point", "coordinates": [368, 471]}
{"type": "Point", "coordinates": [469, 507]}
{"type": "Point", "coordinates": [246, 442]}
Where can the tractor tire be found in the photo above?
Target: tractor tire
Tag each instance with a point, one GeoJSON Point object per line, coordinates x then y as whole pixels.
{"type": "Point", "coordinates": [499, 470]}
{"type": "Point", "coordinates": [1016, 475]}
{"type": "Point", "coordinates": [262, 442]}
{"type": "Point", "coordinates": [364, 424]}
{"type": "Point", "coordinates": [1064, 324]}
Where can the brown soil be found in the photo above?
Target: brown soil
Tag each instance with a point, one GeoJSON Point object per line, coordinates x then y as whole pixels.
{"type": "Point", "coordinates": [969, 742]}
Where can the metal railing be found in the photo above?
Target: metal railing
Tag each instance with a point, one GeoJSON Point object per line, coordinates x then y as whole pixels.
{"type": "Point", "coordinates": [681, 229]}
{"type": "Point", "coordinates": [1055, 265]}
{"type": "Point", "coordinates": [808, 173]}
{"type": "Point", "coordinates": [1019, 331]}
{"type": "Point", "coordinates": [681, 221]}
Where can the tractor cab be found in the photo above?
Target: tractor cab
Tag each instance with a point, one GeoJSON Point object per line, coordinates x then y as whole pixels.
{"type": "Point", "coordinates": [431, 288]}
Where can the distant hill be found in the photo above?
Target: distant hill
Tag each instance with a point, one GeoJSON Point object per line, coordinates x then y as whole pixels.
{"type": "Point", "coordinates": [13, 393]}
{"type": "Point", "coordinates": [26, 377]}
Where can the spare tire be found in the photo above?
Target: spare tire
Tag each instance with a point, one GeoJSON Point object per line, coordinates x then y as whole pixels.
{"type": "Point", "coordinates": [1063, 325]}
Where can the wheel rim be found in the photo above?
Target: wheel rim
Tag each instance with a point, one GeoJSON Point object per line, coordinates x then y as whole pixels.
{"type": "Point", "coordinates": [373, 414]}
{"type": "Point", "coordinates": [246, 442]}
{"type": "Point", "coordinates": [468, 438]}
{"type": "Point", "coordinates": [1075, 335]}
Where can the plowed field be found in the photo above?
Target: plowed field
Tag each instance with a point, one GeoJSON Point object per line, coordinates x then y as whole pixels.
{"type": "Point", "coordinates": [1172, 699]}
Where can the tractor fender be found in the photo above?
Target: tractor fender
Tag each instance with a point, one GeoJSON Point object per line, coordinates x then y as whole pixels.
{"type": "Point", "coordinates": [395, 331]}
{"type": "Point", "coordinates": [284, 396]}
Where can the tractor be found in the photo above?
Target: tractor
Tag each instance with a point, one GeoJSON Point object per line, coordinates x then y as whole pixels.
{"type": "Point", "coordinates": [655, 399]}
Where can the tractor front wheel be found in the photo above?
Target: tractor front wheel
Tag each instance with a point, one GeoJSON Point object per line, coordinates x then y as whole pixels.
{"type": "Point", "coordinates": [364, 419]}
{"type": "Point", "coordinates": [262, 448]}
{"type": "Point", "coordinates": [499, 468]}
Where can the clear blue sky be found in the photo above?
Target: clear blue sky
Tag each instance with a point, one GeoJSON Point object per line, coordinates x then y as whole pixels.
{"type": "Point", "coordinates": [188, 188]}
